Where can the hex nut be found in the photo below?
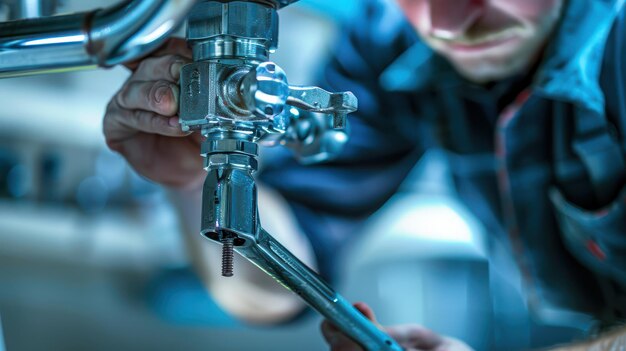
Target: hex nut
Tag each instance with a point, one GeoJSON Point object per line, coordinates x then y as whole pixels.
{"type": "Point", "coordinates": [229, 145]}
{"type": "Point", "coordinates": [237, 18]}
{"type": "Point", "coordinates": [240, 161]}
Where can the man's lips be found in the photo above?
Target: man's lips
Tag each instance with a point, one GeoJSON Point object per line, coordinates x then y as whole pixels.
{"type": "Point", "coordinates": [479, 45]}
{"type": "Point", "coordinates": [484, 41]}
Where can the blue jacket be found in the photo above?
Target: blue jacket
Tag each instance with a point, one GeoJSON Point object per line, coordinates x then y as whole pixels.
{"type": "Point", "coordinates": [540, 157]}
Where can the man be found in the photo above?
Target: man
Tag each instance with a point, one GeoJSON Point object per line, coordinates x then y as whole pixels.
{"type": "Point", "coordinates": [527, 96]}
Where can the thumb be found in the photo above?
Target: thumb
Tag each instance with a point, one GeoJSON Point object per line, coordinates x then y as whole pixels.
{"type": "Point", "coordinates": [337, 339]}
{"type": "Point", "coordinates": [366, 311]}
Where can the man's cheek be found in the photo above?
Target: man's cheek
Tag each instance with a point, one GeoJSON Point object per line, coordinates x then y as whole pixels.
{"type": "Point", "coordinates": [416, 11]}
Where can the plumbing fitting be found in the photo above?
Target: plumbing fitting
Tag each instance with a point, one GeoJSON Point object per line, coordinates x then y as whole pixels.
{"type": "Point", "coordinates": [237, 100]}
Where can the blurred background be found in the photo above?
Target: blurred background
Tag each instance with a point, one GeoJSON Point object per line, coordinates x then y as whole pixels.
{"type": "Point", "coordinates": [91, 255]}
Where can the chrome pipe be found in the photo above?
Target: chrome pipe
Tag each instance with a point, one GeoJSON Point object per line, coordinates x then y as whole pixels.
{"type": "Point", "coordinates": [86, 40]}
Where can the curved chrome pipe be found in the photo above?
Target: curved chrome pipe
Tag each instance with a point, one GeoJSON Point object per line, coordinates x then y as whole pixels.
{"type": "Point", "coordinates": [85, 40]}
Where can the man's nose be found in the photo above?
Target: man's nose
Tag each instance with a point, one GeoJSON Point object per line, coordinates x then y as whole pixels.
{"type": "Point", "coordinates": [449, 18]}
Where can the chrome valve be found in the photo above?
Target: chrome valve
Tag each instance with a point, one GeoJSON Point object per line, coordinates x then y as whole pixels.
{"type": "Point", "coordinates": [237, 99]}
{"type": "Point", "coordinates": [266, 90]}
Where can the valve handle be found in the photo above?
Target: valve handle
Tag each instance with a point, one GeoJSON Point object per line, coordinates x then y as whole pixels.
{"type": "Point", "coordinates": [315, 99]}
{"type": "Point", "coordinates": [269, 92]}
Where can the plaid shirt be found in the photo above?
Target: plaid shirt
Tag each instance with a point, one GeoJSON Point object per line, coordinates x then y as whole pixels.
{"type": "Point", "coordinates": [539, 158]}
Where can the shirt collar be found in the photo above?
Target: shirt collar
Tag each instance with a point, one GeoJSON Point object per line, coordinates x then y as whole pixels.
{"type": "Point", "coordinates": [572, 59]}
{"type": "Point", "coordinates": [571, 69]}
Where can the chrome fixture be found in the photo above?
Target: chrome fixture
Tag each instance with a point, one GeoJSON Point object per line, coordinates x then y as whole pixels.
{"type": "Point", "coordinates": [237, 100]}
{"type": "Point", "coordinates": [102, 38]}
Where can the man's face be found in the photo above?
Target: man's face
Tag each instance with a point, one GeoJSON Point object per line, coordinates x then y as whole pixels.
{"type": "Point", "coordinates": [485, 40]}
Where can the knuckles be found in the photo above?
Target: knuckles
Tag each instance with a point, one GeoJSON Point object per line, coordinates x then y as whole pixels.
{"type": "Point", "coordinates": [162, 97]}
{"type": "Point", "coordinates": [155, 66]}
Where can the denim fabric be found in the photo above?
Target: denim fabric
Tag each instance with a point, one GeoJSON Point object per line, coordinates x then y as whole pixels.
{"type": "Point", "coordinates": [534, 156]}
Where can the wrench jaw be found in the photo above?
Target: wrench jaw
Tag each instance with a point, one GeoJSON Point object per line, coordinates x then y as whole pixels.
{"type": "Point", "coordinates": [229, 207]}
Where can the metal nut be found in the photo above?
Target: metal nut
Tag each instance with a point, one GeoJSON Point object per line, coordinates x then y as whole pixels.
{"type": "Point", "coordinates": [240, 161]}
{"type": "Point", "coordinates": [236, 18]}
{"type": "Point", "coordinates": [229, 145]}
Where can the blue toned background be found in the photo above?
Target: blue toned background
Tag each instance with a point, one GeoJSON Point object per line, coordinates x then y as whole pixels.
{"type": "Point", "coordinates": [91, 256]}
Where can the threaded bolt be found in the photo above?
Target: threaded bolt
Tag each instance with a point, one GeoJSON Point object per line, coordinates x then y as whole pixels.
{"type": "Point", "coordinates": [227, 257]}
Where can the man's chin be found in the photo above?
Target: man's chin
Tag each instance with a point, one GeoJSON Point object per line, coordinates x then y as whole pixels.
{"type": "Point", "coordinates": [487, 73]}
{"type": "Point", "coordinates": [489, 69]}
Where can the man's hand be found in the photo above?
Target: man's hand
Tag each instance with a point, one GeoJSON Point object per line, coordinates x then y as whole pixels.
{"type": "Point", "coordinates": [410, 337]}
{"type": "Point", "coordinates": [141, 121]}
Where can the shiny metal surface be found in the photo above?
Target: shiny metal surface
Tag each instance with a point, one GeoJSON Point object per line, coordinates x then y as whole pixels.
{"type": "Point", "coordinates": [229, 201]}
{"type": "Point", "coordinates": [210, 95]}
{"type": "Point", "coordinates": [99, 38]}
{"type": "Point", "coordinates": [229, 205]}
{"type": "Point", "coordinates": [316, 99]}
{"type": "Point", "coordinates": [230, 47]}
{"type": "Point", "coordinates": [244, 91]}
{"type": "Point", "coordinates": [237, 101]}
{"type": "Point", "coordinates": [240, 23]}
{"type": "Point", "coordinates": [311, 136]}
{"type": "Point", "coordinates": [265, 90]}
